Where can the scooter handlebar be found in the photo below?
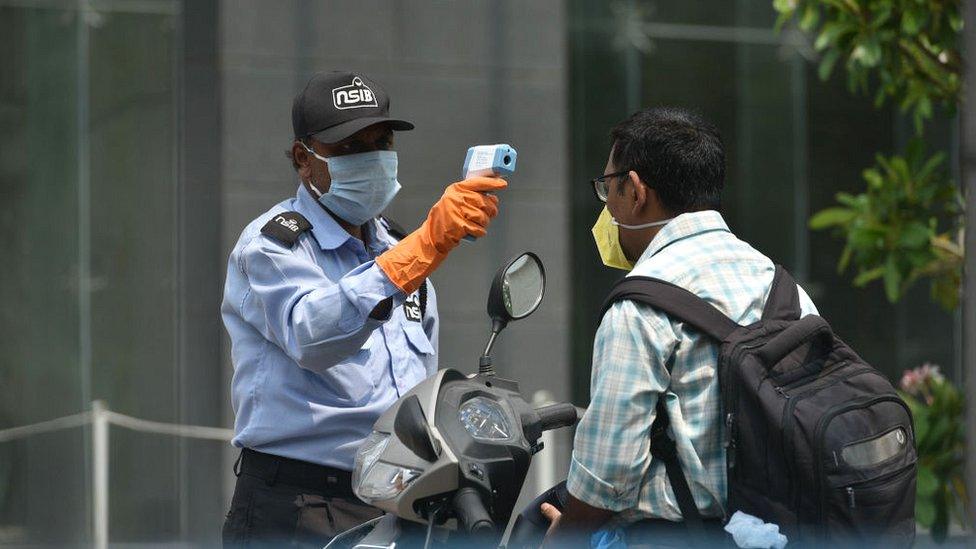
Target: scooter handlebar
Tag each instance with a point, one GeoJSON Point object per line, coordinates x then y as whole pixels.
{"type": "Point", "coordinates": [472, 516]}
{"type": "Point", "coordinates": [559, 415]}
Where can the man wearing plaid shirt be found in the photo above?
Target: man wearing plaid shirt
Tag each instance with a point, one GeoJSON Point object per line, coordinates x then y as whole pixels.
{"type": "Point", "coordinates": [662, 188]}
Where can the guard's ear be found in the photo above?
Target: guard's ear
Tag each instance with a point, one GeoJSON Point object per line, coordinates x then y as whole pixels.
{"type": "Point", "coordinates": [302, 159]}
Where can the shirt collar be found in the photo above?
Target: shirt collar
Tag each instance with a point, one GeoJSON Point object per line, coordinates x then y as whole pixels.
{"type": "Point", "coordinates": [684, 226]}
{"type": "Point", "coordinates": [329, 234]}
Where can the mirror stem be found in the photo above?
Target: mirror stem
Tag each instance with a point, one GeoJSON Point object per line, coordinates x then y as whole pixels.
{"type": "Point", "coordinates": [491, 343]}
{"type": "Point", "coordinates": [484, 366]}
{"type": "Point", "coordinates": [484, 363]}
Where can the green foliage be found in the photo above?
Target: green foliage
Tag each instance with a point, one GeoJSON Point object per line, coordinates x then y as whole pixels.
{"type": "Point", "coordinates": [906, 226]}
{"type": "Point", "coordinates": [906, 48]}
{"type": "Point", "coordinates": [941, 495]}
{"type": "Point", "coordinates": [902, 227]}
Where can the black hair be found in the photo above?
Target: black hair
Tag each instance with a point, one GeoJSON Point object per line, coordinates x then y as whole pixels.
{"type": "Point", "coordinates": [676, 153]}
{"type": "Point", "coordinates": [294, 164]}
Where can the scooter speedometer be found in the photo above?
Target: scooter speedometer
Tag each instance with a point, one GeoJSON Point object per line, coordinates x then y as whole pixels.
{"type": "Point", "coordinates": [485, 419]}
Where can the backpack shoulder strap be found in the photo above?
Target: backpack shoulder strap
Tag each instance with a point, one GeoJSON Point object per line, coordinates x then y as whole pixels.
{"type": "Point", "coordinates": [677, 302]}
{"type": "Point", "coordinates": [664, 448]}
{"type": "Point", "coordinates": [783, 302]}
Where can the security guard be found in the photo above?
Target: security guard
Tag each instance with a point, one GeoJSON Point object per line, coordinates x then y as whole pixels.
{"type": "Point", "coordinates": [330, 317]}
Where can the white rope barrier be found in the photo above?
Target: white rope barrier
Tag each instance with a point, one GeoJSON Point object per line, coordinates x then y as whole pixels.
{"type": "Point", "coordinates": [119, 420]}
{"type": "Point", "coordinates": [66, 422]}
{"type": "Point", "coordinates": [159, 428]}
{"type": "Point", "coordinates": [101, 418]}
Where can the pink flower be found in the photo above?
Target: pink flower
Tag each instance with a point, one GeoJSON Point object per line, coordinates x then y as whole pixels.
{"type": "Point", "coordinates": [917, 381]}
{"type": "Point", "coordinates": [911, 381]}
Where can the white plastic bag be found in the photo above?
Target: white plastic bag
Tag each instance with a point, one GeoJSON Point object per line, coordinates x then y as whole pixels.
{"type": "Point", "coordinates": [751, 532]}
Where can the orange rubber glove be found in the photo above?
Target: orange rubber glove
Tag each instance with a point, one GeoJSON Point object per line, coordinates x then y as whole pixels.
{"type": "Point", "coordinates": [463, 209]}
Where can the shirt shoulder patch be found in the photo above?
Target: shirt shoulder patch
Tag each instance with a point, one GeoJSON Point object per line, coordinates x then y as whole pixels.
{"type": "Point", "coordinates": [413, 308]}
{"type": "Point", "coordinates": [286, 227]}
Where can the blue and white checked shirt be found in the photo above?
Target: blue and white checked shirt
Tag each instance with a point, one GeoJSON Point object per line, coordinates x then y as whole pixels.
{"type": "Point", "coordinates": [312, 370]}
{"type": "Point", "coordinates": [640, 354]}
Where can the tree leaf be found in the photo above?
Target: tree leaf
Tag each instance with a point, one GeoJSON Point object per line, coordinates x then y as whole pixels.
{"type": "Point", "coordinates": [915, 235]}
{"type": "Point", "coordinates": [892, 280]}
{"type": "Point", "coordinates": [829, 34]}
{"type": "Point", "coordinates": [827, 64]}
{"type": "Point", "coordinates": [873, 177]}
{"type": "Point", "coordinates": [909, 22]}
{"type": "Point", "coordinates": [848, 199]}
{"type": "Point", "coordinates": [941, 427]}
{"type": "Point", "coordinates": [867, 276]}
{"type": "Point", "coordinates": [871, 52]}
{"type": "Point", "coordinates": [832, 216]}
{"type": "Point", "coordinates": [924, 511]}
{"type": "Point", "coordinates": [811, 16]}
{"type": "Point", "coordinates": [785, 7]}
{"type": "Point", "coordinates": [845, 259]}
{"type": "Point", "coordinates": [921, 428]}
{"type": "Point", "coordinates": [931, 165]}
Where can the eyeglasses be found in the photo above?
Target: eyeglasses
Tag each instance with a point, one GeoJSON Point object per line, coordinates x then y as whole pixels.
{"type": "Point", "coordinates": [601, 186]}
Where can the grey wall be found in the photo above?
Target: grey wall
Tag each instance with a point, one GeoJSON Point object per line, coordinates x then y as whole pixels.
{"type": "Point", "coordinates": [466, 73]}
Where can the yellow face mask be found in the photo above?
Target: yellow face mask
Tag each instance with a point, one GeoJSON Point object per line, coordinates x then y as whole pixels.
{"type": "Point", "coordinates": [605, 233]}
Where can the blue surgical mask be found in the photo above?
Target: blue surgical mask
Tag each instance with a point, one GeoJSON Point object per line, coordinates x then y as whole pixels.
{"type": "Point", "coordinates": [363, 184]}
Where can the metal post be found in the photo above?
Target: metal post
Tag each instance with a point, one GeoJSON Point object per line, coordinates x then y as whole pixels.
{"type": "Point", "coordinates": [968, 146]}
{"type": "Point", "coordinates": [100, 456]}
{"type": "Point", "coordinates": [84, 268]}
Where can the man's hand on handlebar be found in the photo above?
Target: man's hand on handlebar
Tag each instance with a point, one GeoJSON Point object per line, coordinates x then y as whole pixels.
{"type": "Point", "coordinates": [574, 526]}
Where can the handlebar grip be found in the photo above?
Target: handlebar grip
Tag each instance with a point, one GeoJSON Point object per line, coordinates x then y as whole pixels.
{"type": "Point", "coordinates": [472, 516]}
{"type": "Point", "coordinates": [555, 416]}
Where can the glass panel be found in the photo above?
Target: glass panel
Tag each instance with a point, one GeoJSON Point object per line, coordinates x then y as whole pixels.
{"type": "Point", "coordinates": [133, 151]}
{"type": "Point", "coordinates": [41, 375]}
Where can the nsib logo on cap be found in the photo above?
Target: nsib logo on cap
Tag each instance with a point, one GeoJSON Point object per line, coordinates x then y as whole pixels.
{"type": "Point", "coordinates": [353, 96]}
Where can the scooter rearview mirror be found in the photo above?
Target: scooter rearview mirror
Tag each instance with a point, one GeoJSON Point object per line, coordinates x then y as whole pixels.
{"type": "Point", "coordinates": [516, 292]}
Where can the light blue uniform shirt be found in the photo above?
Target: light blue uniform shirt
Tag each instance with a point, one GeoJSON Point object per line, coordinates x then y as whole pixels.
{"type": "Point", "coordinates": [312, 370]}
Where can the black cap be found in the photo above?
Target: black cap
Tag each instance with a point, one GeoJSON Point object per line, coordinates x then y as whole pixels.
{"type": "Point", "coordinates": [337, 104]}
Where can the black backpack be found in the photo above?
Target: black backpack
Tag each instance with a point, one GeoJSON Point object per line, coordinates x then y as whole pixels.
{"type": "Point", "coordinates": [817, 441]}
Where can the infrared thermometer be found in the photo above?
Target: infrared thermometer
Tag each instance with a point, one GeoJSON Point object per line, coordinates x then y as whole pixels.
{"type": "Point", "coordinates": [489, 161]}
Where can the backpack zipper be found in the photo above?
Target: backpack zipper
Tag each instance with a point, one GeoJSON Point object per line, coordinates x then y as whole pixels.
{"type": "Point", "coordinates": [825, 420]}
{"type": "Point", "coordinates": [852, 489]}
{"type": "Point", "coordinates": [729, 395]}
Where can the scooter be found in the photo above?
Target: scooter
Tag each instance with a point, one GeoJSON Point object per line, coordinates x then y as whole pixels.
{"type": "Point", "coordinates": [447, 461]}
